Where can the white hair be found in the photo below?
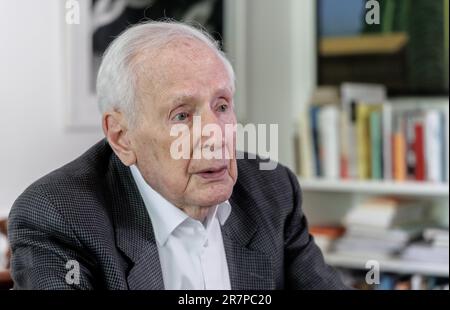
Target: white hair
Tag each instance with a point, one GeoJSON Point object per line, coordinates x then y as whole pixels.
{"type": "Point", "coordinates": [117, 76]}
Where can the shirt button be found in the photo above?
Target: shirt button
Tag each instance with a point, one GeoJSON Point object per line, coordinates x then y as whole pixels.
{"type": "Point", "coordinates": [205, 244]}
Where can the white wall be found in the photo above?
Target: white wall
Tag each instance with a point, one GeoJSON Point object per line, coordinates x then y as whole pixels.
{"type": "Point", "coordinates": [280, 66]}
{"type": "Point", "coordinates": [33, 137]}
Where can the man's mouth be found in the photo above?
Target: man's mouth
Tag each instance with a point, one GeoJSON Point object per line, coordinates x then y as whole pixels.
{"type": "Point", "coordinates": [213, 173]}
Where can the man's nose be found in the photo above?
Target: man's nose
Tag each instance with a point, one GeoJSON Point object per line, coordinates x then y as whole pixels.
{"type": "Point", "coordinates": [209, 117]}
{"type": "Point", "coordinates": [213, 129]}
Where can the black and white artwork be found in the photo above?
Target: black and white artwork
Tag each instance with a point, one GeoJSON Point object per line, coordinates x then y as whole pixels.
{"type": "Point", "coordinates": [103, 20]}
{"type": "Point", "coordinates": [111, 17]}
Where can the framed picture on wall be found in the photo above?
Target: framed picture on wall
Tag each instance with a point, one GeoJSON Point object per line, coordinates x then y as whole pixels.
{"type": "Point", "coordinates": [103, 20]}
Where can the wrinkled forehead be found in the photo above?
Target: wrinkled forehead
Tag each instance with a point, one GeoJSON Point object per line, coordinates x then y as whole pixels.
{"type": "Point", "coordinates": [182, 65]}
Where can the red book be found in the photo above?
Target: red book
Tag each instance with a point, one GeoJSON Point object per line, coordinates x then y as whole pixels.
{"type": "Point", "coordinates": [332, 232]}
{"type": "Point", "coordinates": [344, 168]}
{"type": "Point", "coordinates": [420, 152]}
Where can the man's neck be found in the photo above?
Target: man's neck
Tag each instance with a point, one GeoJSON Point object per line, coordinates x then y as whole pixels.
{"type": "Point", "coordinates": [195, 212]}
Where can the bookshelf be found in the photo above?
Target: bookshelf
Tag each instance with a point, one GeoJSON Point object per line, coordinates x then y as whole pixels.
{"type": "Point", "coordinates": [390, 265]}
{"type": "Point", "coordinates": [293, 79]}
{"type": "Point", "coordinates": [363, 44]}
{"type": "Point", "coordinates": [327, 201]}
{"type": "Point", "coordinates": [408, 188]}
{"type": "Point", "coordinates": [329, 196]}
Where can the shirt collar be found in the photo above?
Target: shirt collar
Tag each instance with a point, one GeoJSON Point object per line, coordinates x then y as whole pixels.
{"type": "Point", "coordinates": [165, 216]}
{"type": "Point", "coordinates": [221, 211]}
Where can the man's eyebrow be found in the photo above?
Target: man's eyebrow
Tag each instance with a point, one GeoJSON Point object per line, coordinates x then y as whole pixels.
{"type": "Point", "coordinates": [184, 97]}
{"type": "Point", "coordinates": [180, 100]}
{"type": "Point", "coordinates": [225, 89]}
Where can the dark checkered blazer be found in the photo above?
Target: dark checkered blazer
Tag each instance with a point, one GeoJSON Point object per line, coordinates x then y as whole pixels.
{"type": "Point", "coordinates": [91, 211]}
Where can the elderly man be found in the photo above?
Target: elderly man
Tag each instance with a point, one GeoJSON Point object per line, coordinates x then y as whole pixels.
{"type": "Point", "coordinates": [128, 215]}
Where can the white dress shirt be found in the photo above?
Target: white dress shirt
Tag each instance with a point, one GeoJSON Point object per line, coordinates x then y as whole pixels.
{"type": "Point", "coordinates": [191, 253]}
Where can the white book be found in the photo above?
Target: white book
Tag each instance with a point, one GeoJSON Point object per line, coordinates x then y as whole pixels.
{"type": "Point", "coordinates": [305, 145]}
{"type": "Point", "coordinates": [387, 141]}
{"type": "Point", "coordinates": [386, 215]}
{"type": "Point", "coordinates": [417, 282]}
{"type": "Point", "coordinates": [401, 234]}
{"type": "Point", "coordinates": [344, 145]}
{"type": "Point", "coordinates": [426, 253]}
{"type": "Point", "coordinates": [433, 145]}
{"type": "Point", "coordinates": [365, 245]}
{"type": "Point", "coordinates": [433, 234]}
{"type": "Point", "coordinates": [369, 93]}
{"type": "Point", "coordinates": [329, 137]}
{"type": "Point", "coordinates": [446, 137]}
{"type": "Point", "coordinates": [323, 242]}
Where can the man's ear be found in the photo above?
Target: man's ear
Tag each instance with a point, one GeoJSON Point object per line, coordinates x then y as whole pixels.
{"type": "Point", "coordinates": [116, 131]}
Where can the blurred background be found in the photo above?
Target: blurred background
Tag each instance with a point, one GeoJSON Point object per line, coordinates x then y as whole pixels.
{"type": "Point", "coordinates": [359, 90]}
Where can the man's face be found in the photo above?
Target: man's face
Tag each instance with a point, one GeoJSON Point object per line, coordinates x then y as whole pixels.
{"type": "Point", "coordinates": [187, 79]}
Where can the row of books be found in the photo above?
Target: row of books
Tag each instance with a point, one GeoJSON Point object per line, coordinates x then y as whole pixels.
{"type": "Point", "coordinates": [360, 135]}
{"type": "Point", "coordinates": [389, 281]}
{"type": "Point", "coordinates": [433, 248]}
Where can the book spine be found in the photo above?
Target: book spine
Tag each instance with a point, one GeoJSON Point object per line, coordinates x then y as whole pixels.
{"type": "Point", "coordinates": [410, 139]}
{"type": "Point", "coordinates": [344, 146]}
{"type": "Point", "coordinates": [363, 145]}
{"type": "Point", "coordinates": [446, 137]}
{"type": "Point", "coordinates": [419, 151]}
{"type": "Point", "coordinates": [433, 136]}
{"type": "Point", "coordinates": [314, 112]}
{"type": "Point", "coordinates": [329, 137]}
{"type": "Point", "coordinates": [387, 141]}
{"type": "Point", "coordinates": [375, 138]}
{"type": "Point", "coordinates": [353, 144]}
{"type": "Point", "coordinates": [442, 146]}
{"type": "Point", "coordinates": [399, 151]}
{"type": "Point", "coordinates": [305, 147]}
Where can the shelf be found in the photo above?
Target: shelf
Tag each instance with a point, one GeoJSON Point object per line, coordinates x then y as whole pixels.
{"type": "Point", "coordinates": [363, 44]}
{"type": "Point", "coordinates": [409, 188]}
{"type": "Point", "coordinates": [389, 265]}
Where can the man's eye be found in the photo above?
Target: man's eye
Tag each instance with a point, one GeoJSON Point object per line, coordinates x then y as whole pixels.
{"type": "Point", "coordinates": [223, 108]}
{"type": "Point", "coordinates": [180, 117]}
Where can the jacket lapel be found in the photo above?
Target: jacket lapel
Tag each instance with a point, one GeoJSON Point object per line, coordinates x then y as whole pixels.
{"type": "Point", "coordinates": [248, 268]}
{"type": "Point", "coordinates": [133, 229]}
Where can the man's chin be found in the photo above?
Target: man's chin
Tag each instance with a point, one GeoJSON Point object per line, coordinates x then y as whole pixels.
{"type": "Point", "coordinates": [211, 193]}
{"type": "Point", "coordinates": [208, 199]}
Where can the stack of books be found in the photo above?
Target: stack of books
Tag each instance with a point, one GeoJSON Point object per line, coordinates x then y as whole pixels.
{"type": "Point", "coordinates": [433, 248]}
{"type": "Point", "coordinates": [382, 227]}
{"type": "Point", "coordinates": [359, 135]}
{"type": "Point", "coordinates": [325, 236]}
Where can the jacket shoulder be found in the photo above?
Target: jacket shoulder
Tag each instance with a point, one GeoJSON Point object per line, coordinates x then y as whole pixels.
{"type": "Point", "coordinates": [276, 188]}
{"type": "Point", "coordinates": [253, 170]}
{"type": "Point", "coordinates": [76, 184]}
{"type": "Point", "coordinates": [90, 165]}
